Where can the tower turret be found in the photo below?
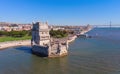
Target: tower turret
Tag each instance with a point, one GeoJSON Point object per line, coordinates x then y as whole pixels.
{"type": "Point", "coordinates": [40, 34]}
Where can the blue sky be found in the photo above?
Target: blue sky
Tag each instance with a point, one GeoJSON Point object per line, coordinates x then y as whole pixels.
{"type": "Point", "coordinates": [61, 12]}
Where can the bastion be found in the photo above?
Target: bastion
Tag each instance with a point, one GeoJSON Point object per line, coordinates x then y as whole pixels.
{"type": "Point", "coordinates": [43, 45]}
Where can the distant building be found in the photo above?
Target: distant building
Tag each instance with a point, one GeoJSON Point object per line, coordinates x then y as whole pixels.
{"type": "Point", "coordinates": [16, 27]}
{"type": "Point", "coordinates": [57, 28]}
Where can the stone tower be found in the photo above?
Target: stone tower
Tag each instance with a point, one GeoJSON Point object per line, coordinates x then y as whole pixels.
{"type": "Point", "coordinates": [40, 34]}
{"type": "Point", "coordinates": [42, 44]}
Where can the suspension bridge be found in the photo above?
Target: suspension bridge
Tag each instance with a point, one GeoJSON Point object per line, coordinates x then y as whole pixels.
{"type": "Point", "coordinates": [110, 25]}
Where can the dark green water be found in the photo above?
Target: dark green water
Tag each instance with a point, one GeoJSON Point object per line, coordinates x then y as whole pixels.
{"type": "Point", "coordinates": [97, 55]}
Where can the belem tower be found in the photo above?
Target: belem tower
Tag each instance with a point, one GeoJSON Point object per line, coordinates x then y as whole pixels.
{"type": "Point", "coordinates": [44, 45]}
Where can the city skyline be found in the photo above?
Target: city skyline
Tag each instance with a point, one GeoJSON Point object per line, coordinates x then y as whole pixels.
{"type": "Point", "coordinates": [61, 12]}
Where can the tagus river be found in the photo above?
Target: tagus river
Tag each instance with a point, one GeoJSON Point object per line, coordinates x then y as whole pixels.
{"type": "Point", "coordinates": [97, 55]}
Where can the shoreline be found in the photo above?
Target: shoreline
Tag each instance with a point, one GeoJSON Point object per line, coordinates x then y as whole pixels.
{"type": "Point", "coordinates": [8, 44]}
{"type": "Point", "coordinates": [71, 39]}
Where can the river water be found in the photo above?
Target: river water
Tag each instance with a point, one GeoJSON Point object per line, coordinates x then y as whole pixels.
{"type": "Point", "coordinates": [97, 55]}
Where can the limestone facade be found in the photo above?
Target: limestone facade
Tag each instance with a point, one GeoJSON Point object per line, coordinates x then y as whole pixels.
{"type": "Point", "coordinates": [43, 45]}
{"type": "Point", "coordinates": [40, 34]}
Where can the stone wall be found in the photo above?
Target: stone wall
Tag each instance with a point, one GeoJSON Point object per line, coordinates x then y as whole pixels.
{"type": "Point", "coordinates": [40, 50]}
{"type": "Point", "coordinates": [46, 42]}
